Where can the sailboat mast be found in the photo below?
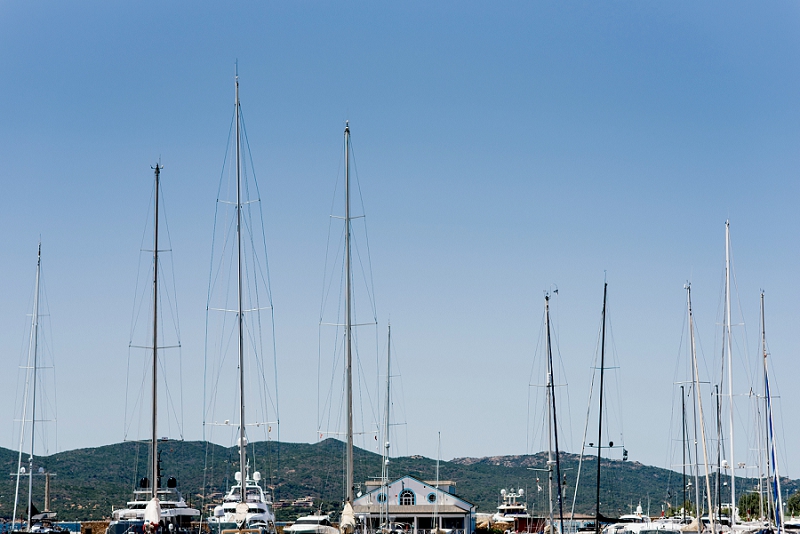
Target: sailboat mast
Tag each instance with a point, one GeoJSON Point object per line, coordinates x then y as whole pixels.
{"type": "Point", "coordinates": [730, 363]}
{"type": "Point", "coordinates": [242, 439]}
{"type": "Point", "coordinates": [385, 467]}
{"type": "Point", "coordinates": [770, 500]}
{"type": "Point", "coordinates": [154, 422]}
{"type": "Point", "coordinates": [776, 483]}
{"type": "Point", "coordinates": [763, 462]}
{"type": "Point", "coordinates": [348, 322]}
{"type": "Point", "coordinates": [700, 409]}
{"type": "Point", "coordinates": [30, 372]}
{"type": "Point", "coordinates": [554, 418]}
{"type": "Point", "coordinates": [600, 410]}
{"type": "Point", "coordinates": [35, 340]}
{"type": "Point", "coordinates": [683, 463]}
{"type": "Point", "coordinates": [696, 464]}
{"type": "Point", "coordinates": [549, 413]}
{"type": "Point", "coordinates": [719, 452]}
{"type": "Point", "coordinates": [437, 521]}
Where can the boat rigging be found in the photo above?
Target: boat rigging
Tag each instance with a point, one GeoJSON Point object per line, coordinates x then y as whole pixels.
{"type": "Point", "coordinates": [153, 505]}
{"type": "Point", "coordinates": [240, 275]}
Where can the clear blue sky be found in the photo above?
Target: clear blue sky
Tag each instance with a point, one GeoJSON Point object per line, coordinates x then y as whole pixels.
{"type": "Point", "coordinates": [501, 149]}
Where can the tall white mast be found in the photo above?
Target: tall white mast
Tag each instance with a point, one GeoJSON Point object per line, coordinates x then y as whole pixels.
{"type": "Point", "coordinates": [33, 349]}
{"type": "Point", "coordinates": [683, 443]}
{"type": "Point", "coordinates": [242, 438]}
{"type": "Point", "coordinates": [730, 363]}
{"type": "Point", "coordinates": [700, 409]}
{"type": "Point", "coordinates": [154, 435]}
{"type": "Point", "coordinates": [385, 468]}
{"type": "Point", "coordinates": [696, 466]}
{"type": "Point", "coordinates": [347, 522]}
{"type": "Point", "coordinates": [348, 323]}
{"type": "Point", "coordinates": [436, 519]}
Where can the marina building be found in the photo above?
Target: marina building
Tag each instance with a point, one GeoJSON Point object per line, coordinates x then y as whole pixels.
{"type": "Point", "coordinates": [418, 505]}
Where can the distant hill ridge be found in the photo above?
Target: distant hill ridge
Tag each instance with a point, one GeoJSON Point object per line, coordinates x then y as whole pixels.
{"type": "Point", "coordinates": [90, 481]}
{"type": "Point", "coordinates": [515, 460]}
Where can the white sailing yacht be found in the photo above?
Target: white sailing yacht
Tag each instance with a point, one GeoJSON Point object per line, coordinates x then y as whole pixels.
{"type": "Point", "coordinates": [31, 381]}
{"type": "Point", "coordinates": [154, 506]}
{"type": "Point", "coordinates": [246, 505]}
{"type": "Point", "coordinates": [552, 423]}
{"type": "Point", "coordinates": [599, 518]}
{"type": "Point", "coordinates": [513, 513]}
{"type": "Point", "coordinates": [775, 498]}
{"type": "Point", "coordinates": [697, 524]}
{"type": "Point", "coordinates": [347, 522]}
{"type": "Point", "coordinates": [729, 355]}
{"type": "Point", "coordinates": [384, 523]}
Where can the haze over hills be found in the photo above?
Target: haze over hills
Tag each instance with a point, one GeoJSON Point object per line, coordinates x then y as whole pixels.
{"type": "Point", "coordinates": [89, 482]}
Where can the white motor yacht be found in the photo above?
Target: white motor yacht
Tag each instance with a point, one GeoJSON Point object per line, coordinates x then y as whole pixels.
{"type": "Point", "coordinates": [259, 513]}
{"type": "Point", "coordinates": [312, 524]}
{"type": "Point", "coordinates": [512, 515]}
{"type": "Point", "coordinates": [630, 523]}
{"type": "Point", "coordinates": [176, 515]}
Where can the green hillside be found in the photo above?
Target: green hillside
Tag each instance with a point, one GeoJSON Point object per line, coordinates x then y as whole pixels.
{"type": "Point", "coordinates": [89, 482]}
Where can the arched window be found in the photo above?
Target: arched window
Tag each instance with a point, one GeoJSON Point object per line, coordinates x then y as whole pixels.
{"type": "Point", "coordinates": [407, 498]}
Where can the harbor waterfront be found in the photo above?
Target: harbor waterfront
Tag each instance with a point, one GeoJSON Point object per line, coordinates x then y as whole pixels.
{"type": "Point", "coordinates": [408, 503]}
{"type": "Point", "coordinates": [91, 481]}
{"type": "Point", "coordinates": [403, 267]}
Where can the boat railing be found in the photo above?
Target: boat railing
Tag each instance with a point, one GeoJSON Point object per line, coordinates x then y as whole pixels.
{"type": "Point", "coordinates": [440, 531]}
{"type": "Point", "coordinates": [144, 495]}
